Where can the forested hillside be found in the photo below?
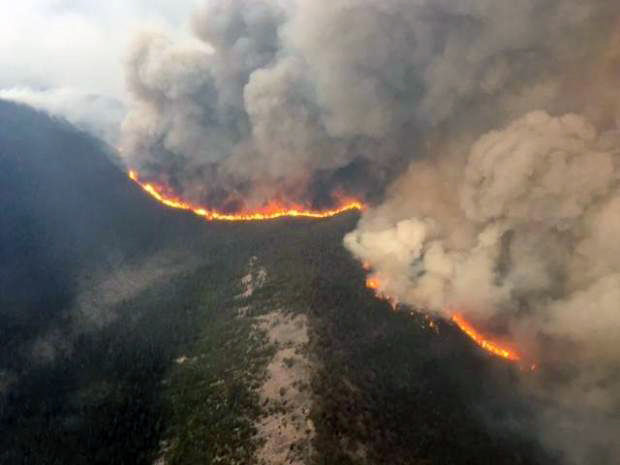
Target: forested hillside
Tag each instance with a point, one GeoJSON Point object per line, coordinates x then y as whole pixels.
{"type": "Point", "coordinates": [135, 334]}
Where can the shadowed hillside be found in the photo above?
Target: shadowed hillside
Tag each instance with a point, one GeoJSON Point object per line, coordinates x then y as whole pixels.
{"type": "Point", "coordinates": [98, 284]}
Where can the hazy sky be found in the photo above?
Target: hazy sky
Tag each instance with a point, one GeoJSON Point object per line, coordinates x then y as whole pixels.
{"type": "Point", "coordinates": [78, 44]}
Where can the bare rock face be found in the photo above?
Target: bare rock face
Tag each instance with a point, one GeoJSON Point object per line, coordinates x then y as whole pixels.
{"type": "Point", "coordinates": [286, 430]}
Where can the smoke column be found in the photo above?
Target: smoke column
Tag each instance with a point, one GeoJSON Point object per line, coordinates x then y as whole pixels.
{"type": "Point", "coordinates": [484, 132]}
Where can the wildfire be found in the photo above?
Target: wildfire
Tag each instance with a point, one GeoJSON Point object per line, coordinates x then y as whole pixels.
{"type": "Point", "coordinates": [490, 346]}
{"type": "Point", "coordinates": [268, 212]}
{"type": "Point", "coordinates": [493, 347]}
{"type": "Point", "coordinates": [373, 282]}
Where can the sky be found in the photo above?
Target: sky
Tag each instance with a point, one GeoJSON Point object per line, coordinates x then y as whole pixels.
{"type": "Point", "coordinates": [58, 54]}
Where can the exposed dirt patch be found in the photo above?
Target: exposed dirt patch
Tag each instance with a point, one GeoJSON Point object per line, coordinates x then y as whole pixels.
{"type": "Point", "coordinates": [286, 431]}
{"type": "Point", "coordinates": [255, 279]}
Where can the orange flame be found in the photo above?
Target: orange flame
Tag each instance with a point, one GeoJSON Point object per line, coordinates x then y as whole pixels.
{"type": "Point", "coordinates": [493, 347]}
{"type": "Point", "coordinates": [268, 212]}
{"type": "Point", "coordinates": [490, 346]}
{"type": "Point", "coordinates": [374, 283]}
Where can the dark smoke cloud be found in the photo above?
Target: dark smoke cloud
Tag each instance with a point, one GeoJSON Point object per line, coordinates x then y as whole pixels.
{"type": "Point", "coordinates": [273, 99]}
{"type": "Point", "coordinates": [506, 115]}
{"type": "Point", "coordinates": [236, 118]}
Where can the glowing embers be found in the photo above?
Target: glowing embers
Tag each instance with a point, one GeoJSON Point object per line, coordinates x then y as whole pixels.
{"type": "Point", "coordinates": [268, 212]}
{"type": "Point", "coordinates": [374, 283]}
{"type": "Point", "coordinates": [489, 345]}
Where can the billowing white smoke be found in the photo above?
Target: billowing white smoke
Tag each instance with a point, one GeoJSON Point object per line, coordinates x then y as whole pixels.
{"type": "Point", "coordinates": [522, 228]}
{"type": "Point", "coordinates": [525, 213]}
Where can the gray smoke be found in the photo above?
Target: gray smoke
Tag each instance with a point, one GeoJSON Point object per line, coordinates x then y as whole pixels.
{"type": "Point", "coordinates": [520, 229]}
{"type": "Point", "coordinates": [489, 129]}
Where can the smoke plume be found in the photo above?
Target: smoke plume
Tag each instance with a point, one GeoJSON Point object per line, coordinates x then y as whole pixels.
{"type": "Point", "coordinates": [303, 101]}
{"type": "Point", "coordinates": [485, 133]}
{"type": "Point", "coordinates": [519, 232]}
{"type": "Point", "coordinates": [511, 212]}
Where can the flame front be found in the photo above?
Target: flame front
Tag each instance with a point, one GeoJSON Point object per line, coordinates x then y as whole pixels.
{"type": "Point", "coordinates": [373, 282]}
{"type": "Point", "coordinates": [274, 210]}
{"type": "Point", "coordinates": [269, 212]}
{"type": "Point", "coordinates": [490, 346]}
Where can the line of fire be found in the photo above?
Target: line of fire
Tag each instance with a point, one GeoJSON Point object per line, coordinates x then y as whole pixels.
{"type": "Point", "coordinates": [276, 210]}
{"type": "Point", "coordinates": [485, 342]}
{"type": "Point", "coordinates": [270, 211]}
